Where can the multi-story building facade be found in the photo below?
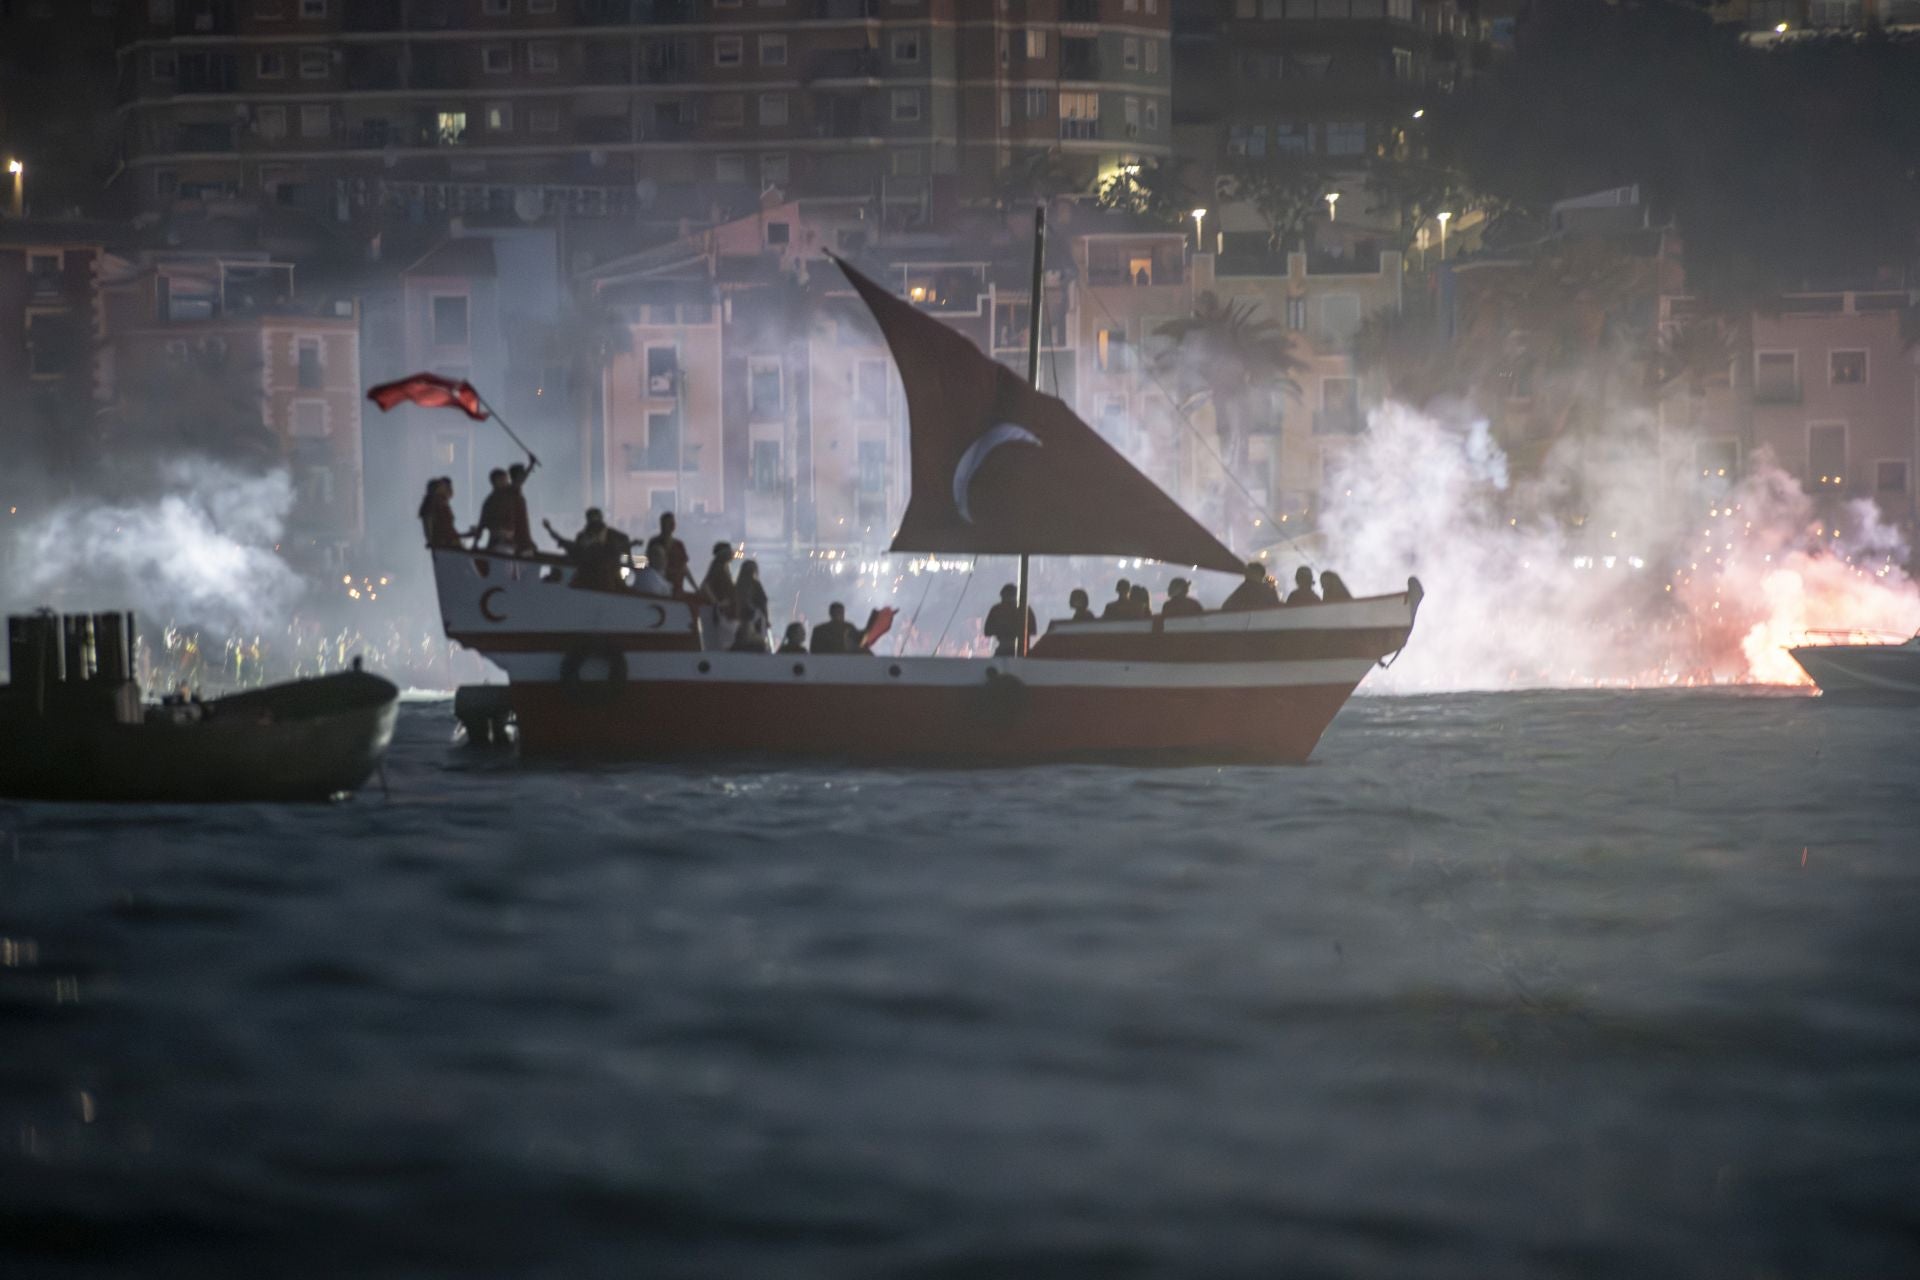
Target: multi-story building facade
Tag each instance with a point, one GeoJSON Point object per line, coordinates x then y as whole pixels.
{"type": "Point", "coordinates": [217, 355]}
{"type": "Point", "coordinates": [637, 108]}
{"type": "Point", "coordinates": [49, 327]}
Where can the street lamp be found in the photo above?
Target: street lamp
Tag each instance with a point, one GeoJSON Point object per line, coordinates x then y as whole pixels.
{"type": "Point", "coordinates": [1780, 28]}
{"type": "Point", "coordinates": [19, 172]}
{"type": "Point", "coordinates": [1199, 245]}
{"type": "Point", "coordinates": [1332, 198]}
{"type": "Point", "coordinates": [1443, 215]}
{"type": "Point", "coordinates": [1418, 112]}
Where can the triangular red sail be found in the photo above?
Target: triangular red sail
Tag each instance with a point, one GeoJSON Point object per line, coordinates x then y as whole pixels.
{"type": "Point", "coordinates": [429, 391]}
{"type": "Point", "coordinates": [1001, 469]}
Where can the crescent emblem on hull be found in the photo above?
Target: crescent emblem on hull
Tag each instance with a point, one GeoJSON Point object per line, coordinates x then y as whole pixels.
{"type": "Point", "coordinates": [976, 456]}
{"type": "Point", "coordinates": [659, 617]}
{"type": "Point", "coordinates": [486, 604]}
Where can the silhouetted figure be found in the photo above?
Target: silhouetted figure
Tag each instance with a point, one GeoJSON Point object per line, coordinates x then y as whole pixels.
{"type": "Point", "coordinates": [717, 586]}
{"type": "Point", "coordinates": [750, 610]}
{"type": "Point", "coordinates": [1122, 603]}
{"type": "Point", "coordinates": [1077, 601]}
{"type": "Point", "coordinates": [436, 515]}
{"type": "Point", "coordinates": [596, 552]}
{"type": "Point", "coordinates": [1333, 589]}
{"type": "Point", "coordinates": [1255, 592]}
{"type": "Point", "coordinates": [1179, 604]}
{"type": "Point", "coordinates": [1303, 592]}
{"type": "Point", "coordinates": [1002, 624]}
{"type": "Point", "coordinates": [1139, 604]}
{"type": "Point", "coordinates": [496, 513]}
{"type": "Point", "coordinates": [795, 641]}
{"type": "Point", "coordinates": [523, 543]}
{"type": "Point", "coordinates": [667, 556]}
{"type": "Point", "coordinates": [836, 634]}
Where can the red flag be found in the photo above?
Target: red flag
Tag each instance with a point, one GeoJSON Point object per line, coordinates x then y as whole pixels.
{"type": "Point", "coordinates": [879, 622]}
{"type": "Point", "coordinates": [429, 391]}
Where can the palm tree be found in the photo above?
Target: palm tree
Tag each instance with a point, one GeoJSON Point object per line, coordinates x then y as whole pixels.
{"type": "Point", "coordinates": [1238, 358]}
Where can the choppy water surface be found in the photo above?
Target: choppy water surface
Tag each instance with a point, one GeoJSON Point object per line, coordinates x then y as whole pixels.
{"type": "Point", "coordinates": [1547, 984]}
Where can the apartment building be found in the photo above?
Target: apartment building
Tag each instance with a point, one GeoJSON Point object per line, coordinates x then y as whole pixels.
{"type": "Point", "coordinates": [630, 109]}
{"type": "Point", "coordinates": [48, 329]}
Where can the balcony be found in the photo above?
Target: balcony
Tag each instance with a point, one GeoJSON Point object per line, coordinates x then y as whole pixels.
{"type": "Point", "coordinates": [1079, 130]}
{"type": "Point", "coordinates": [842, 64]}
{"type": "Point", "coordinates": [1079, 60]}
{"type": "Point", "coordinates": [203, 137]}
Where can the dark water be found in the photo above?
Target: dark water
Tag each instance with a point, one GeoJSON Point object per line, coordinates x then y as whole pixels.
{"type": "Point", "coordinates": [1526, 985]}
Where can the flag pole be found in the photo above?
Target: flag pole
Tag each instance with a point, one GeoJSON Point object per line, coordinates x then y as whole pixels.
{"type": "Point", "coordinates": [511, 434]}
{"type": "Point", "coordinates": [1033, 380]}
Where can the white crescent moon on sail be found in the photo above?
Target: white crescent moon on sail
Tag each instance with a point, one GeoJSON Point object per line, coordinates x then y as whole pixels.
{"type": "Point", "coordinates": [976, 456]}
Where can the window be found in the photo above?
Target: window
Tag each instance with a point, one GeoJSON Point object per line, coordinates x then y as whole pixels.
{"type": "Point", "coordinates": [1036, 104]}
{"type": "Point", "coordinates": [1006, 108]}
{"type": "Point", "coordinates": [450, 128]}
{"type": "Point", "coordinates": [1346, 138]}
{"type": "Point", "coordinates": [272, 122]}
{"type": "Point", "coordinates": [1403, 65]}
{"type": "Point", "coordinates": [779, 233]}
{"type": "Point", "coordinates": [313, 8]}
{"type": "Point", "coordinates": [1849, 368]}
{"type": "Point", "coordinates": [500, 117]}
{"type": "Point", "coordinates": [314, 64]}
{"type": "Point", "coordinates": [164, 65]}
{"type": "Point", "coordinates": [496, 59]}
{"type": "Point", "coordinates": [873, 466]}
{"type": "Point", "coordinates": [730, 168]}
{"type": "Point", "coordinates": [773, 51]}
{"type": "Point", "coordinates": [663, 364]}
{"type": "Point", "coordinates": [1130, 112]}
{"type": "Point", "coordinates": [1297, 312]}
{"type": "Point", "coordinates": [1153, 114]}
{"type": "Point", "coordinates": [43, 268]}
{"type": "Point", "coordinates": [450, 320]}
{"type": "Point", "coordinates": [1110, 345]}
{"type": "Point", "coordinates": [543, 56]}
{"type": "Point", "coordinates": [906, 46]}
{"type": "Point", "coordinates": [764, 466]}
{"type": "Point", "coordinates": [1130, 53]}
{"type": "Point", "coordinates": [1827, 454]}
{"type": "Point", "coordinates": [307, 355]}
{"type": "Point", "coordinates": [773, 109]}
{"type": "Point", "coordinates": [763, 387]}
{"type": "Point", "coordinates": [1153, 55]}
{"type": "Point", "coordinates": [270, 65]}
{"type": "Point", "coordinates": [1776, 377]}
{"type": "Point", "coordinates": [906, 104]}
{"type": "Point", "coordinates": [1079, 114]}
{"type": "Point", "coordinates": [1339, 407]}
{"type": "Point", "coordinates": [726, 51]}
{"type": "Point", "coordinates": [728, 110]}
{"type": "Point", "coordinates": [309, 417]}
{"type": "Point", "coordinates": [316, 120]}
{"type": "Point", "coordinates": [1036, 44]}
{"type": "Point", "coordinates": [870, 389]}
{"type": "Point", "coordinates": [773, 169]}
{"type": "Point", "coordinates": [497, 8]}
{"type": "Point", "coordinates": [1890, 476]}
{"type": "Point", "coordinates": [544, 119]}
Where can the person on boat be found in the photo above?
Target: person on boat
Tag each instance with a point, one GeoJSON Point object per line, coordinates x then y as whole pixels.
{"type": "Point", "coordinates": [667, 555]}
{"type": "Point", "coordinates": [1255, 592]}
{"type": "Point", "coordinates": [496, 514]}
{"type": "Point", "coordinates": [1333, 589]}
{"type": "Point", "coordinates": [1139, 603]}
{"type": "Point", "coordinates": [1121, 605]}
{"type": "Point", "coordinates": [795, 641]}
{"type": "Point", "coordinates": [523, 543]}
{"type": "Point", "coordinates": [750, 610]}
{"type": "Point", "coordinates": [596, 552]}
{"type": "Point", "coordinates": [1303, 592]}
{"type": "Point", "coordinates": [1002, 624]}
{"type": "Point", "coordinates": [436, 515]}
{"type": "Point", "coordinates": [836, 634]}
{"type": "Point", "coordinates": [717, 587]}
{"type": "Point", "coordinates": [1077, 601]}
{"type": "Point", "coordinates": [1179, 604]}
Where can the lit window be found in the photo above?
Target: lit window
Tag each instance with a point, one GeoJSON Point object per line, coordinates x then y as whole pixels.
{"type": "Point", "coordinates": [500, 117]}
{"type": "Point", "coordinates": [450, 128]}
{"type": "Point", "coordinates": [1036, 44]}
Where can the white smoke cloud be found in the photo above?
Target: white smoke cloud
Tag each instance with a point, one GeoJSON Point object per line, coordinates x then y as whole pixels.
{"type": "Point", "coordinates": [1598, 569]}
{"type": "Point", "coordinates": [201, 549]}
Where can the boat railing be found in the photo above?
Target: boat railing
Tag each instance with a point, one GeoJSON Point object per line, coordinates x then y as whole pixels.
{"type": "Point", "coordinates": [1853, 635]}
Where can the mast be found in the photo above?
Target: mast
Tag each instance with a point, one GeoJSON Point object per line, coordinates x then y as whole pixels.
{"type": "Point", "coordinates": [1033, 380]}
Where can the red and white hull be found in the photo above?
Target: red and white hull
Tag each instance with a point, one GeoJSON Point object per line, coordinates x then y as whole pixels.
{"type": "Point", "coordinates": [597, 673]}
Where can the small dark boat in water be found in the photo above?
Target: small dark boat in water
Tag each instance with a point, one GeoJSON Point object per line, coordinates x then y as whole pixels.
{"type": "Point", "coordinates": [73, 727]}
{"type": "Point", "coordinates": [1884, 672]}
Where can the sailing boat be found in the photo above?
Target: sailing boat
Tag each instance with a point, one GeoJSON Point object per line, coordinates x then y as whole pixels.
{"type": "Point", "coordinates": [996, 468]}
